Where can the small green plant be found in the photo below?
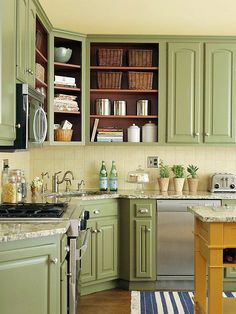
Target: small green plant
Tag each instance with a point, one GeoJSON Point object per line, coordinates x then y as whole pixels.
{"type": "Point", "coordinates": [192, 170]}
{"type": "Point", "coordinates": [164, 170]}
{"type": "Point", "coordinates": [178, 171]}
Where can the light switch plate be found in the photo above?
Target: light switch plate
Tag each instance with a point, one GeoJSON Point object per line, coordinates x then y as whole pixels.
{"type": "Point", "coordinates": [153, 162]}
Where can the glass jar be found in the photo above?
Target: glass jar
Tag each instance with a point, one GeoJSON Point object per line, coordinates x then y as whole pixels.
{"type": "Point", "coordinates": [17, 174]}
{"type": "Point", "coordinates": [23, 185]}
{"type": "Point", "coordinates": [9, 190]}
{"type": "Point", "coordinates": [140, 177]}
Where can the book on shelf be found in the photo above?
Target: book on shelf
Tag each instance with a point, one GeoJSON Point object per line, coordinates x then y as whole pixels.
{"type": "Point", "coordinates": [95, 125]}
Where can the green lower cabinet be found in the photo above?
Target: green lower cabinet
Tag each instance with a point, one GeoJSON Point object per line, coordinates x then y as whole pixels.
{"type": "Point", "coordinates": [143, 244]}
{"type": "Point", "coordinates": [63, 287]}
{"type": "Point", "coordinates": [30, 276]}
{"type": "Point", "coordinates": [138, 238]}
{"type": "Point", "coordinates": [99, 266]}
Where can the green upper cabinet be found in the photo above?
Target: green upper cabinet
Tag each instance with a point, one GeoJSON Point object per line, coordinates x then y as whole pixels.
{"type": "Point", "coordinates": [220, 93]}
{"type": "Point", "coordinates": [7, 72]}
{"type": "Point", "coordinates": [184, 92]}
{"type": "Point", "coordinates": [25, 41]}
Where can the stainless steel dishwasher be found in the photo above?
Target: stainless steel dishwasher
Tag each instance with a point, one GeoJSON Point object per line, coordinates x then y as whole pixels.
{"type": "Point", "coordinates": [175, 249]}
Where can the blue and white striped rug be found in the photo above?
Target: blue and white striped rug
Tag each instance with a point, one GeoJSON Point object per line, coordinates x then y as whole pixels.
{"type": "Point", "coordinates": [165, 302]}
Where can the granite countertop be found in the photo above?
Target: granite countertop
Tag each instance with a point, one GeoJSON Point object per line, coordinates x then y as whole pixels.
{"type": "Point", "coordinates": [214, 214]}
{"type": "Point", "coordinates": [11, 231]}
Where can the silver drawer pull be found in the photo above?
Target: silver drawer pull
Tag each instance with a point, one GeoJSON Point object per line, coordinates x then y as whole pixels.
{"type": "Point", "coordinates": [143, 210]}
{"type": "Point", "coordinates": [96, 211]}
{"type": "Point", "coordinates": [148, 229]}
{"type": "Point", "coordinates": [99, 230]}
{"type": "Point", "coordinates": [54, 260]}
{"type": "Point", "coordinates": [94, 231]}
{"type": "Point", "coordinates": [69, 274]}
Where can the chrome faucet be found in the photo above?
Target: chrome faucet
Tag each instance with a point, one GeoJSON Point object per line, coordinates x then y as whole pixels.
{"type": "Point", "coordinates": [79, 184]}
{"type": "Point", "coordinates": [56, 182]}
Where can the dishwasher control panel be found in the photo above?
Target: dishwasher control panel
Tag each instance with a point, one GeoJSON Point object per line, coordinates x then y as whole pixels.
{"type": "Point", "coordinates": [222, 182]}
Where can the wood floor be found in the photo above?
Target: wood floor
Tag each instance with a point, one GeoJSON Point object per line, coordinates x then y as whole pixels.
{"type": "Point", "coordinates": [115, 301]}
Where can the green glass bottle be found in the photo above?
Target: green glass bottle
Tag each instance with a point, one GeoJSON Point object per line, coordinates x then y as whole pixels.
{"type": "Point", "coordinates": [113, 178]}
{"type": "Point", "coordinates": [103, 178]}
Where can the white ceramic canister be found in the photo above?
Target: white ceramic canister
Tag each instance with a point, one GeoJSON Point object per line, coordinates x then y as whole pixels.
{"type": "Point", "coordinates": [149, 132]}
{"type": "Point", "coordinates": [133, 133]}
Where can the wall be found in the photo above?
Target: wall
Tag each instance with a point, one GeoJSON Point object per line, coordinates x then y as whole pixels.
{"type": "Point", "coordinates": [85, 162]}
{"type": "Point", "coordinates": [18, 160]}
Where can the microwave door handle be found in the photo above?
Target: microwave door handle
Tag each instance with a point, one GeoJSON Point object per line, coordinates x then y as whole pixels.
{"type": "Point", "coordinates": [39, 117]}
{"type": "Point", "coordinates": [26, 109]}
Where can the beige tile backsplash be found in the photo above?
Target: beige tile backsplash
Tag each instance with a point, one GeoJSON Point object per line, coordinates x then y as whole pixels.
{"type": "Point", "coordinates": [85, 162]}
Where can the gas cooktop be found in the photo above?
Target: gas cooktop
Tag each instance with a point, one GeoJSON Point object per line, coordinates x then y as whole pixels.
{"type": "Point", "coordinates": [32, 210]}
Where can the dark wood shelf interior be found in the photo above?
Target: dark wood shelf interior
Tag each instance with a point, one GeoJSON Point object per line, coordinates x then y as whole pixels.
{"type": "Point", "coordinates": [70, 69]}
{"type": "Point", "coordinates": [40, 83]}
{"type": "Point", "coordinates": [131, 96]}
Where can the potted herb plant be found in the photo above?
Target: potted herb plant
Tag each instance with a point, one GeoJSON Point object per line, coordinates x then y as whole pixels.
{"type": "Point", "coordinates": [193, 179]}
{"type": "Point", "coordinates": [178, 171]}
{"type": "Point", "coordinates": [163, 181]}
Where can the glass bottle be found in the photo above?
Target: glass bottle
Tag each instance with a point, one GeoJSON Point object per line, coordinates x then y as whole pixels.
{"type": "Point", "coordinates": [113, 178]}
{"type": "Point", "coordinates": [23, 185]}
{"type": "Point", "coordinates": [103, 178]}
{"type": "Point", "coordinates": [4, 178]}
{"type": "Point", "coordinates": [17, 173]}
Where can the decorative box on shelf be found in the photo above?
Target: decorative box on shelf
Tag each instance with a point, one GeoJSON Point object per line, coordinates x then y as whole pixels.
{"type": "Point", "coordinates": [140, 80]}
{"type": "Point", "coordinates": [109, 80]}
{"type": "Point", "coordinates": [110, 57]}
{"type": "Point", "coordinates": [140, 57]}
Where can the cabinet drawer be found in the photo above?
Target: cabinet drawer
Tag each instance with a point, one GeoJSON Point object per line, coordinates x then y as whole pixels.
{"type": "Point", "coordinates": [230, 272]}
{"type": "Point", "coordinates": [63, 247]}
{"type": "Point", "coordinates": [143, 210]}
{"type": "Point", "coordinates": [102, 210]}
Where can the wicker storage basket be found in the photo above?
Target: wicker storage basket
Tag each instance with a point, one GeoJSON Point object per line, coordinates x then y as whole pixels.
{"type": "Point", "coordinates": [110, 57]}
{"type": "Point", "coordinates": [40, 72]}
{"type": "Point", "coordinates": [140, 80]}
{"type": "Point", "coordinates": [63, 135]}
{"type": "Point", "coordinates": [110, 80]}
{"type": "Point", "coordinates": [140, 58]}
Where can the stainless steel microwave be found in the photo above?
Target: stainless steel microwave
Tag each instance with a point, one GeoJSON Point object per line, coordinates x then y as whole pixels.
{"type": "Point", "coordinates": [31, 119]}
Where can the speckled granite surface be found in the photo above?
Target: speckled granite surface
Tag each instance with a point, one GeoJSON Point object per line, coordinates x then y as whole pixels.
{"type": "Point", "coordinates": [16, 230]}
{"type": "Point", "coordinates": [214, 214]}
{"type": "Point", "coordinates": [19, 231]}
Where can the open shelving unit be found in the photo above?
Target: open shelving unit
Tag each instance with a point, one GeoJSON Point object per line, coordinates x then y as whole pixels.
{"type": "Point", "coordinates": [131, 96]}
{"type": "Point", "coordinates": [70, 69]}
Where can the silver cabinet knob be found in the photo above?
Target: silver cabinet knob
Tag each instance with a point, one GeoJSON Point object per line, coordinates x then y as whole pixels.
{"type": "Point", "coordinates": [207, 134]}
{"type": "Point", "coordinates": [96, 211]}
{"type": "Point", "coordinates": [99, 230]}
{"type": "Point", "coordinates": [67, 248]}
{"type": "Point", "coordinates": [94, 231]}
{"type": "Point", "coordinates": [148, 229]}
{"type": "Point", "coordinates": [196, 134]}
{"type": "Point", "coordinates": [18, 125]}
{"type": "Point", "coordinates": [69, 274]}
{"type": "Point", "coordinates": [54, 260]}
{"type": "Point", "coordinates": [143, 210]}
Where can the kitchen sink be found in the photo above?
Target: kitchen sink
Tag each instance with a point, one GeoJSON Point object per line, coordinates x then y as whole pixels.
{"type": "Point", "coordinates": [73, 194]}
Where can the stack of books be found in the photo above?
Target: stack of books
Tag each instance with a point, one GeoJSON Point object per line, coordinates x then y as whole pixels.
{"type": "Point", "coordinates": [109, 134]}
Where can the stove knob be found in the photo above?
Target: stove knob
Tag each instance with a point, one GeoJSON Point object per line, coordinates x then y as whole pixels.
{"type": "Point", "coordinates": [216, 186]}
{"type": "Point", "coordinates": [86, 214]}
{"type": "Point", "coordinates": [232, 186]}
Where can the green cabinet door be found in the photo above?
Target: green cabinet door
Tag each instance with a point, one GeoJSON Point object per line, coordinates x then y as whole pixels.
{"type": "Point", "coordinates": [143, 245]}
{"type": "Point", "coordinates": [184, 92]}
{"type": "Point", "coordinates": [220, 93]}
{"type": "Point", "coordinates": [28, 278]}
{"type": "Point", "coordinates": [31, 42]}
{"type": "Point", "coordinates": [88, 263]}
{"type": "Point", "coordinates": [25, 41]}
{"type": "Point", "coordinates": [21, 39]}
{"type": "Point", "coordinates": [63, 288]}
{"type": "Point", "coordinates": [107, 248]}
{"type": "Point", "coordinates": [7, 72]}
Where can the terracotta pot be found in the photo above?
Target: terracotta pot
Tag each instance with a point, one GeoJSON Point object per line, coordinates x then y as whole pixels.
{"type": "Point", "coordinates": [192, 185]}
{"type": "Point", "coordinates": [179, 184]}
{"type": "Point", "coordinates": [163, 184]}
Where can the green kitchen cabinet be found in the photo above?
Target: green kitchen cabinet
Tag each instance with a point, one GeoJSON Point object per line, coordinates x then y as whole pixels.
{"type": "Point", "coordinates": [220, 93]}
{"type": "Point", "coordinates": [184, 92]}
{"type": "Point", "coordinates": [196, 69]}
{"type": "Point", "coordinates": [7, 72]}
{"type": "Point", "coordinates": [30, 276]}
{"type": "Point", "coordinates": [138, 238]}
{"type": "Point", "coordinates": [99, 265]}
{"type": "Point", "coordinates": [25, 41]}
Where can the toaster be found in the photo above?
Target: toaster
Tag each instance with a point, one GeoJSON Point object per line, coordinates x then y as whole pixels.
{"type": "Point", "coordinates": [222, 182]}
